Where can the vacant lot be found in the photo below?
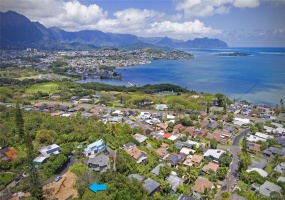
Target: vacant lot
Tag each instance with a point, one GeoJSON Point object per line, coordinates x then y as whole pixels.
{"type": "Point", "coordinates": [62, 189]}
{"type": "Point", "coordinates": [43, 87]}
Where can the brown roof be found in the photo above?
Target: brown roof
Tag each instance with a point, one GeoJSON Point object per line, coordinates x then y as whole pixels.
{"type": "Point", "coordinates": [95, 111]}
{"type": "Point", "coordinates": [204, 124]}
{"type": "Point", "coordinates": [196, 159]}
{"type": "Point", "coordinates": [201, 184]}
{"type": "Point", "coordinates": [161, 152]}
{"type": "Point", "coordinates": [11, 154]}
{"type": "Point", "coordinates": [134, 152]}
{"type": "Point", "coordinates": [212, 166]}
{"type": "Point", "coordinates": [162, 125]}
{"type": "Point", "coordinates": [254, 147]}
{"type": "Point", "coordinates": [164, 145]}
{"type": "Point", "coordinates": [190, 130]}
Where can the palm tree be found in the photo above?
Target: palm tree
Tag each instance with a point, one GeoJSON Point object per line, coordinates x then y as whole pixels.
{"type": "Point", "coordinates": [190, 175]}
{"type": "Point", "coordinates": [207, 194]}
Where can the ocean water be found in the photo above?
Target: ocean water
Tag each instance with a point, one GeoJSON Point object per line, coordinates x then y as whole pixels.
{"type": "Point", "coordinates": [259, 78]}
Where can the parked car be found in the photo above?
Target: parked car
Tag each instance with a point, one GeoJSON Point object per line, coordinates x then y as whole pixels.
{"type": "Point", "coordinates": [57, 178]}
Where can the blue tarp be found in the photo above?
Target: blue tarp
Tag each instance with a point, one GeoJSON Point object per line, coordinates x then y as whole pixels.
{"type": "Point", "coordinates": [97, 187]}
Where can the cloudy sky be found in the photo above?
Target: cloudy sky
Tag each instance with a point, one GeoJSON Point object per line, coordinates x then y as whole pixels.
{"type": "Point", "coordinates": [243, 23]}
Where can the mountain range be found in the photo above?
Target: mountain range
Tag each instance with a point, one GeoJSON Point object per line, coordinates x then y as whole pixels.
{"type": "Point", "coordinates": [18, 32]}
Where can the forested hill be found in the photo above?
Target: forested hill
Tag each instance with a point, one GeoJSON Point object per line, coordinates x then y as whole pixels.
{"type": "Point", "coordinates": [35, 35]}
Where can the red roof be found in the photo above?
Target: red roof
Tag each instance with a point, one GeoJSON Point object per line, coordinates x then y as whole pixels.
{"type": "Point", "coordinates": [167, 135]}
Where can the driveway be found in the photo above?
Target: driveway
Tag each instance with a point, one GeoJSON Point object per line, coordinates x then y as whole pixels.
{"type": "Point", "coordinates": [71, 162]}
{"type": "Point", "coordinates": [229, 182]}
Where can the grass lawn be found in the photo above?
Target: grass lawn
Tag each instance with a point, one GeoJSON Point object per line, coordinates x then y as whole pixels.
{"type": "Point", "coordinates": [43, 87]}
{"type": "Point", "coordinates": [6, 177]}
{"type": "Point", "coordinates": [268, 167]}
{"type": "Point", "coordinates": [256, 159]}
{"type": "Point", "coordinates": [21, 154]}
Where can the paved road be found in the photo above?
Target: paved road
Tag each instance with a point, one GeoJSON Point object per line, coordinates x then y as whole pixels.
{"type": "Point", "coordinates": [229, 182]}
{"type": "Point", "coordinates": [71, 162]}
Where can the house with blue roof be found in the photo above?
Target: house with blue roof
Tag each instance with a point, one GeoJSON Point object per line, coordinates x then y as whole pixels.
{"type": "Point", "coordinates": [95, 148]}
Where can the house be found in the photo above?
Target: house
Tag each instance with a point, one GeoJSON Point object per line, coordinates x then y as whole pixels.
{"type": "Point", "coordinates": [140, 138]}
{"type": "Point", "coordinates": [241, 121]}
{"type": "Point", "coordinates": [174, 159]}
{"type": "Point", "coordinates": [253, 138]}
{"type": "Point", "coordinates": [99, 163]}
{"type": "Point", "coordinates": [74, 98]}
{"type": "Point", "coordinates": [180, 145]}
{"type": "Point", "coordinates": [39, 160]}
{"type": "Point", "coordinates": [281, 179]}
{"type": "Point", "coordinates": [164, 145]}
{"type": "Point", "coordinates": [85, 100]}
{"type": "Point", "coordinates": [196, 160]}
{"type": "Point", "coordinates": [204, 124]}
{"type": "Point", "coordinates": [268, 187]}
{"type": "Point", "coordinates": [185, 197]}
{"type": "Point", "coordinates": [263, 136]}
{"type": "Point", "coordinates": [255, 164]}
{"type": "Point", "coordinates": [213, 154]}
{"type": "Point", "coordinates": [187, 161]}
{"type": "Point", "coordinates": [136, 176]}
{"type": "Point", "coordinates": [187, 151]}
{"type": "Point", "coordinates": [210, 166]}
{"type": "Point", "coordinates": [137, 154]}
{"type": "Point", "coordinates": [281, 141]}
{"type": "Point", "coordinates": [254, 147]}
{"type": "Point", "coordinates": [151, 186]}
{"type": "Point", "coordinates": [54, 96]}
{"type": "Point", "coordinates": [174, 181]}
{"type": "Point", "coordinates": [17, 196]}
{"type": "Point", "coordinates": [258, 170]}
{"type": "Point", "coordinates": [197, 144]}
{"type": "Point", "coordinates": [155, 170]}
{"type": "Point", "coordinates": [213, 125]}
{"type": "Point", "coordinates": [177, 128]}
{"type": "Point", "coordinates": [167, 135]}
{"type": "Point", "coordinates": [200, 185]}
{"type": "Point", "coordinates": [46, 151]}
{"type": "Point", "coordinates": [94, 148]}
{"type": "Point", "coordinates": [95, 111]}
{"type": "Point", "coordinates": [162, 126]}
{"type": "Point", "coordinates": [11, 154]}
{"type": "Point", "coordinates": [229, 129]}
{"type": "Point", "coordinates": [280, 168]}
{"type": "Point", "coordinates": [235, 196]}
{"type": "Point", "coordinates": [201, 132]}
{"type": "Point", "coordinates": [275, 151]}
{"type": "Point", "coordinates": [162, 152]}
{"type": "Point", "coordinates": [115, 119]}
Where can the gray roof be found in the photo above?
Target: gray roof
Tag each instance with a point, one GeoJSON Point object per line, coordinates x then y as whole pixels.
{"type": "Point", "coordinates": [136, 176]}
{"type": "Point", "coordinates": [180, 145]}
{"type": "Point", "coordinates": [185, 197]}
{"type": "Point", "coordinates": [151, 185]}
{"type": "Point", "coordinates": [275, 150]}
{"type": "Point", "coordinates": [174, 181]}
{"type": "Point", "coordinates": [130, 144]}
{"type": "Point", "coordinates": [281, 141]}
{"type": "Point", "coordinates": [280, 168]}
{"type": "Point", "coordinates": [269, 187]}
{"type": "Point", "coordinates": [140, 138]}
{"type": "Point", "coordinates": [260, 165]}
{"type": "Point", "coordinates": [100, 160]}
{"type": "Point", "coordinates": [235, 196]}
{"type": "Point", "coordinates": [281, 179]}
{"type": "Point", "coordinates": [155, 171]}
{"type": "Point", "coordinates": [267, 152]}
{"type": "Point", "coordinates": [229, 128]}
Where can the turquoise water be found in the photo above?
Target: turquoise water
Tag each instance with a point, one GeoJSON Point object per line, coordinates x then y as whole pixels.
{"type": "Point", "coordinates": [259, 78]}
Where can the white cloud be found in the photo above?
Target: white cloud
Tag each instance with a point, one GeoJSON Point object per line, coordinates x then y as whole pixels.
{"type": "Point", "coordinates": [183, 30]}
{"type": "Point", "coordinates": [203, 8]}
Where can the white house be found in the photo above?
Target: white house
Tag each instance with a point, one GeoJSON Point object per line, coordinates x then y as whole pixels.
{"type": "Point", "coordinates": [47, 150]}
{"type": "Point", "coordinates": [253, 138]}
{"type": "Point", "coordinates": [262, 135]}
{"type": "Point", "coordinates": [260, 171]}
{"type": "Point", "coordinates": [213, 154]}
{"type": "Point", "coordinates": [94, 148]}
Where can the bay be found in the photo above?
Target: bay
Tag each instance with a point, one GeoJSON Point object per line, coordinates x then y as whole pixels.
{"type": "Point", "coordinates": [258, 78]}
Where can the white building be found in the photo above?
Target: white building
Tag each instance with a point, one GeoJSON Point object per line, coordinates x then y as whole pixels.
{"type": "Point", "coordinates": [47, 150]}
{"type": "Point", "coordinates": [213, 154]}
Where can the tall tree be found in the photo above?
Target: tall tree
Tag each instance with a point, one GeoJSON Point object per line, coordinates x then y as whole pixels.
{"type": "Point", "coordinates": [282, 105]}
{"type": "Point", "coordinates": [19, 120]}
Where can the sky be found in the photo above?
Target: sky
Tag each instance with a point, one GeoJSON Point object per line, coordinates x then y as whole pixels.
{"type": "Point", "coordinates": [239, 23]}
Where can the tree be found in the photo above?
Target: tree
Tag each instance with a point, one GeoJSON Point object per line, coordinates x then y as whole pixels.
{"type": "Point", "coordinates": [190, 175]}
{"type": "Point", "coordinates": [275, 195]}
{"type": "Point", "coordinates": [164, 171]}
{"type": "Point", "coordinates": [222, 172]}
{"type": "Point", "coordinates": [244, 162]}
{"type": "Point", "coordinates": [282, 105]}
{"type": "Point", "coordinates": [45, 136]}
{"type": "Point", "coordinates": [213, 143]}
{"type": "Point", "coordinates": [225, 160]}
{"type": "Point", "coordinates": [19, 120]}
{"type": "Point", "coordinates": [207, 194]}
{"type": "Point", "coordinates": [208, 107]}
{"type": "Point", "coordinates": [244, 145]}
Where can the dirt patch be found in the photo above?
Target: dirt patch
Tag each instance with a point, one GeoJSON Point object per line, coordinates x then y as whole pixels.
{"type": "Point", "coordinates": [63, 189]}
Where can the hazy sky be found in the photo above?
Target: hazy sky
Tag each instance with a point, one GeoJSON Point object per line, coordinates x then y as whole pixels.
{"type": "Point", "coordinates": [237, 22]}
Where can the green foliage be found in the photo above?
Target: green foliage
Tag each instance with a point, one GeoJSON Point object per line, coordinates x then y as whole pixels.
{"type": "Point", "coordinates": [164, 171]}
{"type": "Point", "coordinates": [222, 172]}
{"type": "Point", "coordinates": [213, 143]}
{"type": "Point", "coordinates": [79, 168]}
{"type": "Point", "coordinates": [125, 164]}
{"type": "Point", "coordinates": [54, 164]}
{"type": "Point", "coordinates": [225, 160]}
{"type": "Point", "coordinates": [5, 164]}
{"type": "Point", "coordinates": [244, 162]}
{"type": "Point", "coordinates": [45, 136]}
